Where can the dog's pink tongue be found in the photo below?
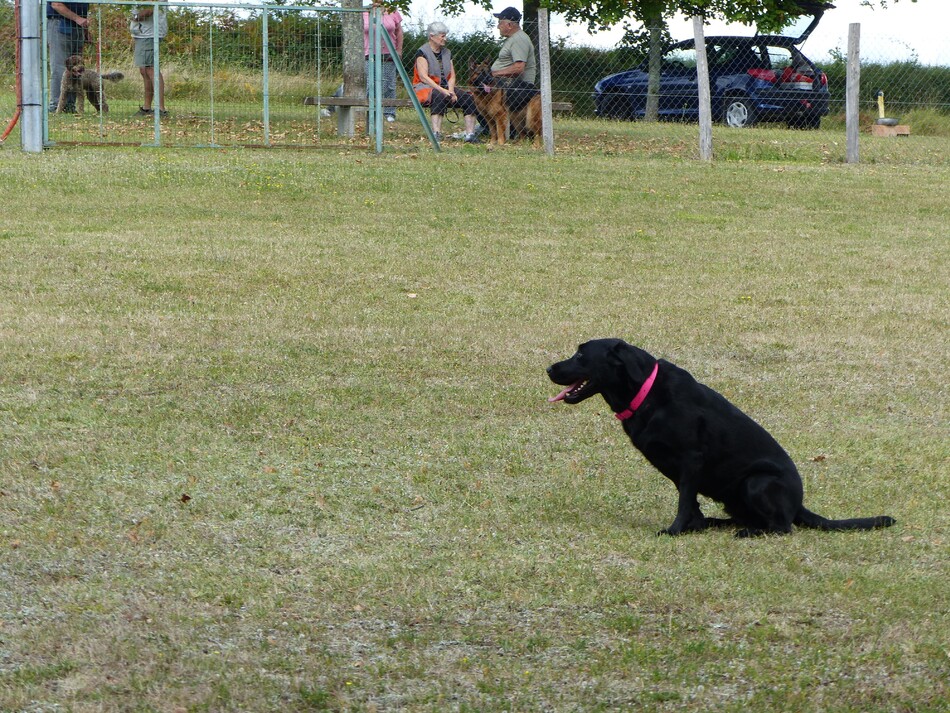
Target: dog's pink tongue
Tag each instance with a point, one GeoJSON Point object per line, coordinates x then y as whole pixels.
{"type": "Point", "coordinates": [560, 396]}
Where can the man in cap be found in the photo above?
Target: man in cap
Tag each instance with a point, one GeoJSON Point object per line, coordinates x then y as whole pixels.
{"type": "Point", "coordinates": [516, 66]}
{"type": "Point", "coordinates": [516, 58]}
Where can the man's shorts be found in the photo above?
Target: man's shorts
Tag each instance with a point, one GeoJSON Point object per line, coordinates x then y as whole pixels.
{"type": "Point", "coordinates": [144, 54]}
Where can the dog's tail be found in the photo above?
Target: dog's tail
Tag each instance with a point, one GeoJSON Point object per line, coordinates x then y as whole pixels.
{"type": "Point", "coordinates": [113, 76]}
{"type": "Point", "coordinates": [806, 518]}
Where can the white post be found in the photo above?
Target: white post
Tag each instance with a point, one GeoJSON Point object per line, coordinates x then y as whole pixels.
{"type": "Point", "coordinates": [705, 101]}
{"type": "Point", "coordinates": [853, 93]}
{"type": "Point", "coordinates": [547, 116]}
{"type": "Point", "coordinates": [31, 66]}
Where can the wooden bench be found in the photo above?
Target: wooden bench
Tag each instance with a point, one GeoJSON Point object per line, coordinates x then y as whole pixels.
{"type": "Point", "coordinates": [346, 105]}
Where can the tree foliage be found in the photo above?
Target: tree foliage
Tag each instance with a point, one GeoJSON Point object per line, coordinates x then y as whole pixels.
{"type": "Point", "coordinates": [768, 15]}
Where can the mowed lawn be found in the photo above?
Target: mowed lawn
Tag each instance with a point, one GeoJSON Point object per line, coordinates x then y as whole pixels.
{"type": "Point", "coordinates": [274, 433]}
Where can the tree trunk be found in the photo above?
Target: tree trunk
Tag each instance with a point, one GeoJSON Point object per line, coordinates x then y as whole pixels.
{"type": "Point", "coordinates": [653, 81]}
{"type": "Point", "coordinates": [529, 21]}
{"type": "Point", "coordinates": [354, 61]}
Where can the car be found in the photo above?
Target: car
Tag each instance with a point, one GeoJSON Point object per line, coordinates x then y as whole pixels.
{"type": "Point", "coordinates": [751, 79]}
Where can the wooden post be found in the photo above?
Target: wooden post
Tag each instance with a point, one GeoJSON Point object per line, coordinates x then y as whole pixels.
{"type": "Point", "coordinates": [547, 116]}
{"type": "Point", "coordinates": [853, 93]}
{"type": "Point", "coordinates": [705, 101]}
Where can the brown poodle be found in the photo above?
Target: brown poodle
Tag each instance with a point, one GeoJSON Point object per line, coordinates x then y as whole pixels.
{"type": "Point", "coordinates": [79, 81]}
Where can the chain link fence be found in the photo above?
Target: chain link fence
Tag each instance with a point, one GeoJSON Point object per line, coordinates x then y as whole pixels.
{"type": "Point", "coordinates": [253, 76]}
{"type": "Point", "coordinates": [774, 72]}
{"type": "Point", "coordinates": [233, 76]}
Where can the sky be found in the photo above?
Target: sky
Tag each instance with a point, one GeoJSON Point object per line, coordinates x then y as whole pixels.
{"type": "Point", "coordinates": [905, 30]}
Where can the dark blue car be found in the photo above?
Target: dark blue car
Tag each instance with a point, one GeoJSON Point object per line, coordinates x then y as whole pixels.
{"type": "Point", "coordinates": [751, 79]}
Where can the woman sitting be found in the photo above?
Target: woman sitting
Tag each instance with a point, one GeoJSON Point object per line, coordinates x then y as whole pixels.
{"type": "Point", "coordinates": [433, 80]}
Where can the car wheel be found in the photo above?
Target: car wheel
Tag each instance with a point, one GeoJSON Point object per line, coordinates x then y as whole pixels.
{"type": "Point", "coordinates": [739, 112]}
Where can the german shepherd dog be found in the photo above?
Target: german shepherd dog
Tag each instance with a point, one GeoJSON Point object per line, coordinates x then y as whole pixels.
{"type": "Point", "coordinates": [77, 80]}
{"type": "Point", "coordinates": [492, 103]}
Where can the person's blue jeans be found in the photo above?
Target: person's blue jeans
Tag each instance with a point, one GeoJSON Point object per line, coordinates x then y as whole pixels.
{"type": "Point", "coordinates": [60, 47]}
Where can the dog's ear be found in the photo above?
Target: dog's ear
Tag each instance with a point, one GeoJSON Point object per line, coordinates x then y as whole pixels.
{"type": "Point", "coordinates": [615, 355]}
{"type": "Point", "coordinates": [636, 362]}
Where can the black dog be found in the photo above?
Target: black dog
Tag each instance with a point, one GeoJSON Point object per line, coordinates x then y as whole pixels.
{"type": "Point", "coordinates": [698, 439]}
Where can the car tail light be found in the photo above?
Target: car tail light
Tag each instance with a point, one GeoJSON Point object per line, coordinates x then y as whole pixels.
{"type": "Point", "coordinates": [766, 75]}
{"type": "Point", "coordinates": [824, 79]}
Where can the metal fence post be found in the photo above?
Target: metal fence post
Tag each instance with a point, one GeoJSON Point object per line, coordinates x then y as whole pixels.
{"type": "Point", "coordinates": [156, 76]}
{"type": "Point", "coordinates": [211, 69]}
{"type": "Point", "coordinates": [44, 63]}
{"type": "Point", "coordinates": [374, 117]}
{"type": "Point", "coordinates": [31, 65]}
{"type": "Point", "coordinates": [266, 79]}
{"type": "Point", "coordinates": [102, 114]}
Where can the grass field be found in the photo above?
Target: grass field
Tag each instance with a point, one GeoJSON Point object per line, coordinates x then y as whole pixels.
{"type": "Point", "coordinates": [274, 432]}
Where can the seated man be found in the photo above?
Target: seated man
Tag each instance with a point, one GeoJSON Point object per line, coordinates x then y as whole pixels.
{"type": "Point", "coordinates": [516, 66]}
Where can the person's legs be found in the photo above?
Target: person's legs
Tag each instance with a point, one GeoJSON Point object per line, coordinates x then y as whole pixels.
{"type": "Point", "coordinates": [437, 106]}
{"type": "Point", "coordinates": [389, 87]}
{"type": "Point", "coordinates": [148, 81]}
{"type": "Point", "coordinates": [57, 61]}
{"type": "Point", "coordinates": [60, 47]}
{"type": "Point", "coordinates": [467, 104]}
{"type": "Point", "coordinates": [145, 61]}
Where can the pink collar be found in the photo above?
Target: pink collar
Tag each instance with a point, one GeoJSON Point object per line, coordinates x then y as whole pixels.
{"type": "Point", "coordinates": [641, 395]}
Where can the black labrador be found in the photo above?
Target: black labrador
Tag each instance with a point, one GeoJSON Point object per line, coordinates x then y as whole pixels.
{"type": "Point", "coordinates": [698, 439]}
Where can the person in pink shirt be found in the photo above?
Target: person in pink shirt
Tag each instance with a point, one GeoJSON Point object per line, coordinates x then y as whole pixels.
{"type": "Point", "coordinates": [392, 23]}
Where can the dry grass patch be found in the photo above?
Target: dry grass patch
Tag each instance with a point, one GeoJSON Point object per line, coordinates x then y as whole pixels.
{"type": "Point", "coordinates": [273, 432]}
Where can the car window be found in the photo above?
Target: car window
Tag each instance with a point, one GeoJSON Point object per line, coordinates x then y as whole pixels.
{"type": "Point", "coordinates": [735, 57]}
{"type": "Point", "coordinates": [779, 57]}
{"type": "Point", "coordinates": [680, 59]}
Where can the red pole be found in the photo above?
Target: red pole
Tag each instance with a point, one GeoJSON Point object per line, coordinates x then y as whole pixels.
{"type": "Point", "coordinates": [19, 85]}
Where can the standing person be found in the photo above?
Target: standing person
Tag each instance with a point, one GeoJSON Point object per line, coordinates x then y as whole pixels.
{"type": "Point", "coordinates": [433, 80]}
{"type": "Point", "coordinates": [144, 25]}
{"type": "Point", "coordinates": [392, 23]}
{"type": "Point", "coordinates": [67, 29]}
